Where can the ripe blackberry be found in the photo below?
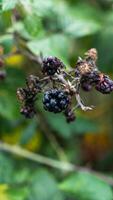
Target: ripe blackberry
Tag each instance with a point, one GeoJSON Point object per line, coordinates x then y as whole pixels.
{"type": "Point", "coordinates": [50, 65]}
{"type": "Point", "coordinates": [105, 85]}
{"type": "Point", "coordinates": [70, 115]}
{"type": "Point", "coordinates": [55, 100]}
{"type": "Point", "coordinates": [28, 111]}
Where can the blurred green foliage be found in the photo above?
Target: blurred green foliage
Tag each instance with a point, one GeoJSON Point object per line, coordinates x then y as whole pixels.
{"type": "Point", "coordinates": [66, 29]}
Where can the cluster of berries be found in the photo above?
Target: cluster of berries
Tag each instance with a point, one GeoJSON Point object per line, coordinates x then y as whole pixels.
{"type": "Point", "coordinates": [60, 87]}
{"type": "Point", "coordinates": [91, 76]}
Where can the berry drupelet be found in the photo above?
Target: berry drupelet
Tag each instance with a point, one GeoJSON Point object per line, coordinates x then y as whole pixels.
{"type": "Point", "coordinates": [55, 100]}
{"type": "Point", "coordinates": [51, 65]}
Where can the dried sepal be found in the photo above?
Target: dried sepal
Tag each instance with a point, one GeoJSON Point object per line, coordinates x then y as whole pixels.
{"type": "Point", "coordinates": [91, 54]}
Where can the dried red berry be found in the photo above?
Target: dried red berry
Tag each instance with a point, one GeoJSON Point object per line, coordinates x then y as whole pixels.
{"type": "Point", "coordinates": [105, 85]}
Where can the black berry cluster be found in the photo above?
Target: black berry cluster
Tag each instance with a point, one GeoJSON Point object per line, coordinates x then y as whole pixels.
{"type": "Point", "coordinates": [55, 100]}
{"type": "Point", "coordinates": [61, 88]}
{"type": "Point", "coordinates": [51, 65]}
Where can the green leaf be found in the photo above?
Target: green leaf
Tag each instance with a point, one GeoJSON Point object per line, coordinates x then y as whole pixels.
{"type": "Point", "coordinates": [56, 45]}
{"type": "Point", "coordinates": [7, 42]}
{"type": "Point", "coordinates": [6, 168]}
{"type": "Point", "coordinates": [33, 25]}
{"type": "Point", "coordinates": [44, 187]}
{"type": "Point", "coordinates": [8, 5]}
{"type": "Point", "coordinates": [9, 106]}
{"type": "Point", "coordinates": [28, 132]}
{"type": "Point", "coordinates": [85, 186]}
{"type": "Point", "coordinates": [21, 175]}
{"type": "Point", "coordinates": [42, 7]}
{"type": "Point", "coordinates": [83, 10]}
{"type": "Point", "coordinates": [81, 27]}
{"type": "Point", "coordinates": [105, 46]}
{"type": "Point", "coordinates": [18, 193]}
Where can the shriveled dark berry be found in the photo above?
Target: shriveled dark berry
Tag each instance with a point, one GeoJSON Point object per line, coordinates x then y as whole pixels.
{"type": "Point", "coordinates": [86, 86]}
{"type": "Point", "coordinates": [55, 100]}
{"type": "Point", "coordinates": [28, 111]}
{"type": "Point", "coordinates": [70, 115]}
{"type": "Point", "coordinates": [105, 85]}
{"type": "Point", "coordinates": [21, 94]}
{"type": "Point", "coordinates": [89, 80]}
{"type": "Point", "coordinates": [51, 65]}
{"type": "Point", "coordinates": [24, 94]}
{"type": "Point", "coordinates": [33, 84]}
{"type": "Point", "coordinates": [92, 77]}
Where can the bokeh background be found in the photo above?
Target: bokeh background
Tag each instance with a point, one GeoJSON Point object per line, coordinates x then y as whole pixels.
{"type": "Point", "coordinates": [66, 29]}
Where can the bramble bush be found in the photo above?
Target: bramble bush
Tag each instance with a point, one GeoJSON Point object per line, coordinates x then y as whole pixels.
{"type": "Point", "coordinates": [56, 59]}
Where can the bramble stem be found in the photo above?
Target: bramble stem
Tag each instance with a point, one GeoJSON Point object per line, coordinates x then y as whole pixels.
{"type": "Point", "coordinates": [64, 166]}
{"type": "Point", "coordinates": [51, 137]}
{"type": "Point", "coordinates": [85, 108]}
